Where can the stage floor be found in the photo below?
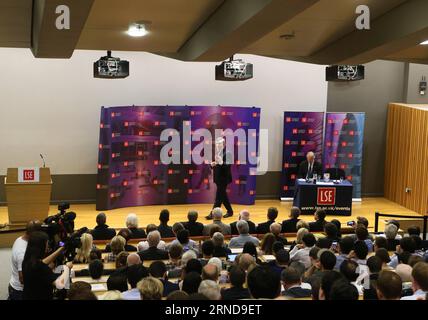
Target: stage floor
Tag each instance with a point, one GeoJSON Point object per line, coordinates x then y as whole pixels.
{"type": "Point", "coordinates": [149, 214]}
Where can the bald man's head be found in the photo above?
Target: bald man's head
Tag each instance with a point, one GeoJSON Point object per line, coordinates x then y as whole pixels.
{"type": "Point", "coordinates": [133, 259]}
{"type": "Point", "coordinates": [210, 272]}
{"type": "Point", "coordinates": [245, 261]}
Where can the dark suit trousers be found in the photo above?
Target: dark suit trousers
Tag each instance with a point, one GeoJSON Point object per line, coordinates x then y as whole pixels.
{"type": "Point", "coordinates": [222, 198]}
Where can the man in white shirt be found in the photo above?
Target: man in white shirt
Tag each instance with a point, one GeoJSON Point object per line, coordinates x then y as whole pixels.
{"type": "Point", "coordinates": [16, 283]}
{"type": "Point", "coordinates": [300, 252]}
{"type": "Point", "coordinates": [419, 282]}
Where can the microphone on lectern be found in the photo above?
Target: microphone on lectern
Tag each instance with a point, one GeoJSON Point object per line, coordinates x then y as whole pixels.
{"type": "Point", "coordinates": [44, 164]}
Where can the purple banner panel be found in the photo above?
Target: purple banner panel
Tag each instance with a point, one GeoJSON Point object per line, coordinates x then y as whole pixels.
{"type": "Point", "coordinates": [303, 132]}
{"type": "Point", "coordinates": [343, 147]}
{"type": "Point", "coordinates": [130, 171]}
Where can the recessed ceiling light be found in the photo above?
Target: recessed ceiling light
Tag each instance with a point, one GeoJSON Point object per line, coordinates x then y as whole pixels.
{"type": "Point", "coordinates": [137, 30]}
{"type": "Point", "coordinates": [424, 43]}
{"type": "Point", "coordinates": [287, 36]}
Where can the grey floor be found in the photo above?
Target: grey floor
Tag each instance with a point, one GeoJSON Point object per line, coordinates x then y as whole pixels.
{"type": "Point", "coordinates": [4, 272]}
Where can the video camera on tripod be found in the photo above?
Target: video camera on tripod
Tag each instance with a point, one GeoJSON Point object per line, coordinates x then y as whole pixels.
{"type": "Point", "coordinates": [60, 229]}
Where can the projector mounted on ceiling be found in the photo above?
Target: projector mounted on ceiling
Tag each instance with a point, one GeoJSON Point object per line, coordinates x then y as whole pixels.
{"type": "Point", "coordinates": [345, 73]}
{"type": "Point", "coordinates": [109, 67]}
{"type": "Point", "coordinates": [234, 70]}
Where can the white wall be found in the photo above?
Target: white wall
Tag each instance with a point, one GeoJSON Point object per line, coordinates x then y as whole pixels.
{"type": "Point", "coordinates": [53, 106]}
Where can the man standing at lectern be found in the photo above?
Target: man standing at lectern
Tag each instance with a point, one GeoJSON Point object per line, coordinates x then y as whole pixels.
{"type": "Point", "coordinates": [222, 175]}
{"type": "Point", "coordinates": [309, 167]}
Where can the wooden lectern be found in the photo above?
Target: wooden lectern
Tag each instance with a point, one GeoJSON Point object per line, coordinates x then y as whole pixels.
{"type": "Point", "coordinates": [27, 200]}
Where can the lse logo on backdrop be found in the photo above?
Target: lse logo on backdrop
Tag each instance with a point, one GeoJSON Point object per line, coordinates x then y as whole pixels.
{"type": "Point", "coordinates": [326, 196]}
{"type": "Point", "coordinates": [28, 175]}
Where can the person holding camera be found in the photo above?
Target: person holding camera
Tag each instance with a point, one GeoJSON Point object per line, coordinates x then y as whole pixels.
{"type": "Point", "coordinates": [39, 279]}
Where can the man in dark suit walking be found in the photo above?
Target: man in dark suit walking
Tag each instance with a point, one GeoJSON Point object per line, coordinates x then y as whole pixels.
{"type": "Point", "coordinates": [309, 167]}
{"type": "Point", "coordinates": [222, 177]}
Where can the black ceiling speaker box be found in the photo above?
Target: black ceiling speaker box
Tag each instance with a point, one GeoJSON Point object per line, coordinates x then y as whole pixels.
{"type": "Point", "coordinates": [345, 73]}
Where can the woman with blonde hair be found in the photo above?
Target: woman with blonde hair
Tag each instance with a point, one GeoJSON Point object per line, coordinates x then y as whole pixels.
{"type": "Point", "coordinates": [302, 224]}
{"type": "Point", "coordinates": [150, 288]}
{"type": "Point", "coordinates": [266, 244]}
{"type": "Point", "coordinates": [83, 253]}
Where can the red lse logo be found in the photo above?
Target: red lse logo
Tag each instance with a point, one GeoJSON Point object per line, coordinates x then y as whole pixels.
{"type": "Point", "coordinates": [28, 175]}
{"type": "Point", "coordinates": [326, 196]}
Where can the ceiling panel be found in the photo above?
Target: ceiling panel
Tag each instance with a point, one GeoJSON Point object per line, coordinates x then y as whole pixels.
{"type": "Point", "coordinates": [15, 23]}
{"type": "Point", "coordinates": [172, 23]}
{"type": "Point", "coordinates": [318, 26]}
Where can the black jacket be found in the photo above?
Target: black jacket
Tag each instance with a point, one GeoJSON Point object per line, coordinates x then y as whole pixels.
{"type": "Point", "coordinates": [222, 174]}
{"type": "Point", "coordinates": [103, 233]}
{"type": "Point", "coordinates": [317, 226]}
{"type": "Point", "coordinates": [303, 169]}
{"type": "Point", "coordinates": [251, 225]}
{"type": "Point", "coordinates": [289, 225]}
{"type": "Point", "coordinates": [153, 253]}
{"type": "Point", "coordinates": [264, 227]}
{"type": "Point", "coordinates": [195, 228]}
{"type": "Point", "coordinates": [297, 292]}
{"type": "Point", "coordinates": [166, 231]}
{"type": "Point", "coordinates": [137, 233]}
{"type": "Point", "coordinates": [235, 293]}
{"type": "Point", "coordinates": [169, 287]}
{"type": "Point", "coordinates": [221, 252]}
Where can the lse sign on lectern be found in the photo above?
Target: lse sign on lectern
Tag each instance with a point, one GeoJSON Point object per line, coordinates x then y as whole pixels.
{"type": "Point", "coordinates": [28, 194]}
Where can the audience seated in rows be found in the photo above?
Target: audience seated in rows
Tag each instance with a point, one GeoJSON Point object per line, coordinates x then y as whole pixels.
{"type": "Point", "coordinates": [327, 267]}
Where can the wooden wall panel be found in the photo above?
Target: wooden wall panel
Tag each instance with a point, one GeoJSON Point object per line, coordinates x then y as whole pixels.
{"type": "Point", "coordinates": [406, 164]}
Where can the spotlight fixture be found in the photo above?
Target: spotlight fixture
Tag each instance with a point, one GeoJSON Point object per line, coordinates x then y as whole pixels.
{"type": "Point", "coordinates": [137, 30]}
{"type": "Point", "coordinates": [287, 36]}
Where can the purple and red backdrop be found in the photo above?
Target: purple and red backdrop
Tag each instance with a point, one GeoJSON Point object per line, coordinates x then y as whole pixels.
{"type": "Point", "coordinates": [130, 172]}
{"type": "Point", "coordinates": [343, 146]}
{"type": "Point", "coordinates": [303, 132]}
